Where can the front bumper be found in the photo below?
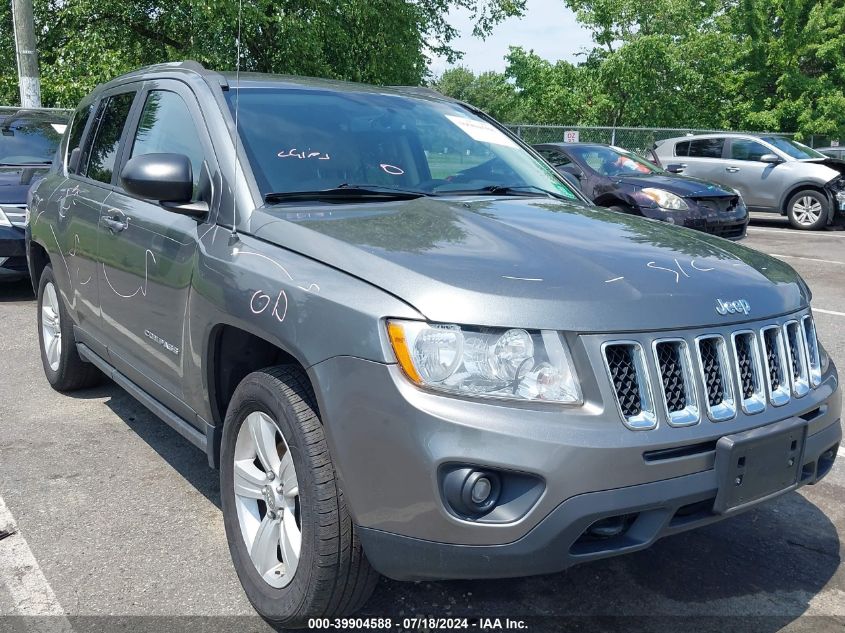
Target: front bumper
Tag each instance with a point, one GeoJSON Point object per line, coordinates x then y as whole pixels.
{"type": "Point", "coordinates": [709, 218]}
{"type": "Point", "coordinates": [657, 509]}
{"type": "Point", "coordinates": [12, 253]}
{"type": "Point", "coordinates": [390, 440]}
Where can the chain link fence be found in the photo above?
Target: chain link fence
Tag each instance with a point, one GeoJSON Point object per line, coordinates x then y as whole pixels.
{"type": "Point", "coordinates": [635, 139]}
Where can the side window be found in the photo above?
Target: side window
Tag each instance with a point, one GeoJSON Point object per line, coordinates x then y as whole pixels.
{"type": "Point", "coordinates": [682, 148]}
{"type": "Point", "coordinates": [706, 147]}
{"type": "Point", "coordinates": [166, 126]}
{"type": "Point", "coordinates": [77, 127]}
{"type": "Point", "coordinates": [558, 159]}
{"type": "Point", "coordinates": [743, 149]}
{"type": "Point", "coordinates": [104, 148]}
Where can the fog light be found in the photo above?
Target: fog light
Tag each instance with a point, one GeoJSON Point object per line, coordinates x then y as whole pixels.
{"type": "Point", "coordinates": [472, 492]}
{"type": "Point", "coordinates": [481, 490]}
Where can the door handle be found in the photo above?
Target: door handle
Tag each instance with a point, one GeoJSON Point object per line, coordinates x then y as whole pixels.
{"type": "Point", "coordinates": [116, 224]}
{"type": "Point", "coordinates": [732, 170]}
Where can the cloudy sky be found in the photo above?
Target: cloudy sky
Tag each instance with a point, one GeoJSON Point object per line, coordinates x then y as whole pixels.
{"type": "Point", "coordinates": [548, 27]}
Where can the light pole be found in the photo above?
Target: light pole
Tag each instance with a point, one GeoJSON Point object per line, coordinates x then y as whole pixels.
{"type": "Point", "coordinates": [28, 78]}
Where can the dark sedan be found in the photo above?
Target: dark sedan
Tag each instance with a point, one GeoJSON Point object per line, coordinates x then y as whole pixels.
{"type": "Point", "coordinates": [618, 179]}
{"type": "Point", "coordinates": [28, 140]}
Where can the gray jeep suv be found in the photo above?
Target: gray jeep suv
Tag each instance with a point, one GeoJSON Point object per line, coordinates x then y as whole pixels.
{"type": "Point", "coordinates": [772, 173]}
{"type": "Point", "coordinates": [408, 347]}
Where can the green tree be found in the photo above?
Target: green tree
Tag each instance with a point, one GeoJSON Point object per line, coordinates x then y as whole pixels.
{"type": "Point", "coordinates": [84, 42]}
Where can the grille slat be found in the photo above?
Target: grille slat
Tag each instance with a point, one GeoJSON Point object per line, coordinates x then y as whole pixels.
{"type": "Point", "coordinates": [795, 347]}
{"type": "Point", "coordinates": [623, 372]}
{"type": "Point", "coordinates": [626, 366]}
{"type": "Point", "coordinates": [749, 372]}
{"type": "Point", "coordinates": [677, 382]}
{"type": "Point", "coordinates": [776, 366]}
{"type": "Point", "coordinates": [712, 372]}
{"type": "Point", "coordinates": [672, 375]}
{"type": "Point", "coordinates": [716, 376]}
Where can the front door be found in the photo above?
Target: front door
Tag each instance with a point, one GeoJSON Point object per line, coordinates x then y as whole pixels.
{"type": "Point", "coordinates": [747, 174]}
{"type": "Point", "coordinates": [148, 251]}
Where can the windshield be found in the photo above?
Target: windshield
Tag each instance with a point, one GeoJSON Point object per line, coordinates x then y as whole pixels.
{"type": "Point", "coordinates": [792, 148]}
{"type": "Point", "coordinates": [27, 142]}
{"type": "Point", "coordinates": [612, 161]}
{"type": "Point", "coordinates": [312, 140]}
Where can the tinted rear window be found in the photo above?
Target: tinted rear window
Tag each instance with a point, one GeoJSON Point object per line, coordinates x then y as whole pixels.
{"type": "Point", "coordinates": [701, 148]}
{"type": "Point", "coordinates": [29, 142]}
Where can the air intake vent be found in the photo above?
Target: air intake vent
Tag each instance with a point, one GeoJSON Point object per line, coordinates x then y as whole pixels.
{"type": "Point", "coordinates": [749, 372]}
{"type": "Point", "coordinates": [629, 376]}
{"type": "Point", "coordinates": [796, 353]}
{"type": "Point", "coordinates": [715, 372]}
{"type": "Point", "coordinates": [675, 369]}
{"type": "Point", "coordinates": [776, 367]}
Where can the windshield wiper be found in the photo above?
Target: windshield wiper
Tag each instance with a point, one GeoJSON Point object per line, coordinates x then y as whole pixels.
{"type": "Point", "coordinates": [346, 192]}
{"type": "Point", "coordinates": [501, 190]}
{"type": "Point", "coordinates": [41, 164]}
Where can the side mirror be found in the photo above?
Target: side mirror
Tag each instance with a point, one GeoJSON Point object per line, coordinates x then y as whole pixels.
{"type": "Point", "coordinates": [166, 178]}
{"type": "Point", "coordinates": [772, 159]}
{"type": "Point", "coordinates": [159, 177]}
{"type": "Point", "coordinates": [571, 179]}
{"type": "Point", "coordinates": [675, 168]}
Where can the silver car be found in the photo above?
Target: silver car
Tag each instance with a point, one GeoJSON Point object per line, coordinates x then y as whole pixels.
{"type": "Point", "coordinates": [772, 173]}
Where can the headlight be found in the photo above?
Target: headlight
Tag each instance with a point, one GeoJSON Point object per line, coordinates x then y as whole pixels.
{"type": "Point", "coordinates": [4, 221]}
{"type": "Point", "coordinates": [665, 199]}
{"type": "Point", "coordinates": [511, 364]}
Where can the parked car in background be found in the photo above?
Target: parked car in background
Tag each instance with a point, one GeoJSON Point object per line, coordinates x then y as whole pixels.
{"type": "Point", "coordinates": [618, 179]}
{"type": "Point", "coordinates": [833, 152]}
{"type": "Point", "coordinates": [773, 174]}
{"type": "Point", "coordinates": [28, 141]}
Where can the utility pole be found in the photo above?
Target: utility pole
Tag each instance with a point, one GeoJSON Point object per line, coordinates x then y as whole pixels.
{"type": "Point", "coordinates": [28, 78]}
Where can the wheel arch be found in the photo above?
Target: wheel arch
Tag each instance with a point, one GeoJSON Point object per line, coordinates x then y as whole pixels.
{"type": "Point", "coordinates": [37, 259]}
{"type": "Point", "coordinates": [801, 186]}
{"type": "Point", "coordinates": [233, 353]}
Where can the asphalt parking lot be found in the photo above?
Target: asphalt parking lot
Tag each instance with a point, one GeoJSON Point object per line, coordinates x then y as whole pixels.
{"type": "Point", "coordinates": [117, 515]}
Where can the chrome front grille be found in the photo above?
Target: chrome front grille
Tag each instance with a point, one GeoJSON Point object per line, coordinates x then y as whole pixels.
{"type": "Point", "coordinates": [745, 370]}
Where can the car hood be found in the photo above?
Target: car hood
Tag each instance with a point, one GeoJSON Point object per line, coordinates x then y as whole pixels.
{"type": "Point", "coordinates": [15, 181]}
{"type": "Point", "coordinates": [825, 169]}
{"type": "Point", "coordinates": [683, 186]}
{"type": "Point", "coordinates": [536, 263]}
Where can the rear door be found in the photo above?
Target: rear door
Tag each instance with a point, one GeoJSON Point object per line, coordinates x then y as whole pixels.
{"type": "Point", "coordinates": [752, 178]}
{"type": "Point", "coordinates": [97, 133]}
{"type": "Point", "coordinates": [148, 251]}
{"type": "Point", "coordinates": [700, 157]}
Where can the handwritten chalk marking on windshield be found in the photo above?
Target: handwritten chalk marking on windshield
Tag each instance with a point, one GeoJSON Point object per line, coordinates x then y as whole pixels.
{"type": "Point", "coordinates": [295, 153]}
{"type": "Point", "coordinates": [668, 270]}
{"type": "Point", "coordinates": [393, 170]}
{"type": "Point", "coordinates": [704, 270]}
{"type": "Point", "coordinates": [610, 281]}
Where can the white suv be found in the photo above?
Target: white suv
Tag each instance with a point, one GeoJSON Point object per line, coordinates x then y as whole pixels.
{"type": "Point", "coordinates": [772, 173]}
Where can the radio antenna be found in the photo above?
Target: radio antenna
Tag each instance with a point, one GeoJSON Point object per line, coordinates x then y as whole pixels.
{"type": "Point", "coordinates": [235, 175]}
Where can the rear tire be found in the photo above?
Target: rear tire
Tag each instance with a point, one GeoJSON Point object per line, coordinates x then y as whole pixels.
{"type": "Point", "coordinates": [808, 210]}
{"type": "Point", "coordinates": [331, 575]}
{"type": "Point", "coordinates": [64, 369]}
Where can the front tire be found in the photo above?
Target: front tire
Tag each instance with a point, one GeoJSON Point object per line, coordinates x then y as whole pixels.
{"type": "Point", "coordinates": [64, 369]}
{"type": "Point", "coordinates": [292, 540]}
{"type": "Point", "coordinates": [808, 210]}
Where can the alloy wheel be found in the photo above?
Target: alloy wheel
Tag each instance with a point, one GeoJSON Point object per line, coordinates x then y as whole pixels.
{"type": "Point", "coordinates": [806, 210]}
{"type": "Point", "coordinates": [267, 499]}
{"type": "Point", "coordinates": [51, 332]}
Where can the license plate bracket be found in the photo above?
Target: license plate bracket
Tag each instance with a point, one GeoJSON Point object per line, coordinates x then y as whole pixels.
{"type": "Point", "coordinates": [760, 463]}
